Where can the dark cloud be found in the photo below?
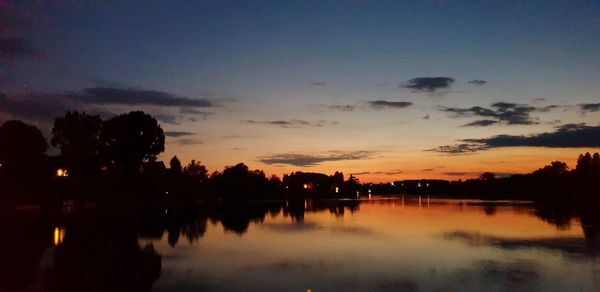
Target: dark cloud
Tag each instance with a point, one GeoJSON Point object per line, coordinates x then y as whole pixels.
{"type": "Point", "coordinates": [304, 160]}
{"type": "Point", "coordinates": [17, 48]}
{"type": "Point", "coordinates": [393, 172]}
{"type": "Point", "coordinates": [390, 172]}
{"type": "Point", "coordinates": [460, 148]}
{"type": "Point", "coordinates": [37, 108]}
{"type": "Point", "coordinates": [344, 108]}
{"type": "Point", "coordinates": [380, 104]}
{"type": "Point", "coordinates": [428, 169]}
{"type": "Point", "coordinates": [176, 134]}
{"type": "Point", "coordinates": [566, 136]}
{"type": "Point", "coordinates": [590, 107]}
{"type": "Point", "coordinates": [43, 108]}
{"type": "Point", "coordinates": [361, 173]}
{"type": "Point", "coordinates": [428, 84]}
{"type": "Point", "coordinates": [481, 123]}
{"type": "Point", "coordinates": [46, 106]}
{"type": "Point", "coordinates": [108, 95]}
{"type": "Point", "coordinates": [294, 123]}
{"type": "Point", "coordinates": [456, 173]}
{"type": "Point", "coordinates": [505, 112]}
{"type": "Point", "coordinates": [193, 111]}
{"type": "Point", "coordinates": [318, 83]}
{"type": "Point", "coordinates": [477, 82]}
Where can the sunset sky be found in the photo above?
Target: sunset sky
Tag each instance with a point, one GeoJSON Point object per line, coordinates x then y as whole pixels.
{"type": "Point", "coordinates": [386, 90]}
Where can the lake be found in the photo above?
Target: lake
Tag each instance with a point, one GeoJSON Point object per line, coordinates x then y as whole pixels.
{"type": "Point", "coordinates": [377, 244]}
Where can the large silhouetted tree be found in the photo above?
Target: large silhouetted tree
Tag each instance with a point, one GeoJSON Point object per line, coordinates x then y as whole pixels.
{"type": "Point", "coordinates": [175, 166]}
{"type": "Point", "coordinates": [555, 169]}
{"type": "Point", "coordinates": [239, 182]}
{"type": "Point", "coordinates": [77, 135]}
{"type": "Point", "coordinates": [196, 170]}
{"type": "Point", "coordinates": [133, 138]}
{"type": "Point", "coordinates": [22, 147]}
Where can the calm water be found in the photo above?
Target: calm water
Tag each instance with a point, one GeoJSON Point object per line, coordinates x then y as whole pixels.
{"type": "Point", "coordinates": [383, 244]}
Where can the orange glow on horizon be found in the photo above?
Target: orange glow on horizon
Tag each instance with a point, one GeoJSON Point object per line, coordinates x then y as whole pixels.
{"type": "Point", "coordinates": [412, 164]}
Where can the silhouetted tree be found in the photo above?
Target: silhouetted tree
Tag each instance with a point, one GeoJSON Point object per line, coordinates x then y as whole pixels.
{"type": "Point", "coordinates": [584, 165]}
{"type": "Point", "coordinates": [239, 182]}
{"type": "Point", "coordinates": [196, 170]}
{"type": "Point", "coordinates": [22, 147]}
{"type": "Point", "coordinates": [175, 166]}
{"type": "Point", "coordinates": [77, 135]}
{"type": "Point", "coordinates": [488, 176]}
{"type": "Point", "coordinates": [555, 169]}
{"type": "Point", "coordinates": [133, 138]}
{"type": "Point", "coordinates": [338, 178]}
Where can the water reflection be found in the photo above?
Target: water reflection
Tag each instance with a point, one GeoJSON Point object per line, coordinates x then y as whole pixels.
{"type": "Point", "coordinates": [379, 244]}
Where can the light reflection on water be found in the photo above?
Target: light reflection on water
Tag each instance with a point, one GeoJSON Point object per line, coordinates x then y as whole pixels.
{"type": "Point", "coordinates": [385, 245]}
{"type": "Point", "coordinates": [376, 244]}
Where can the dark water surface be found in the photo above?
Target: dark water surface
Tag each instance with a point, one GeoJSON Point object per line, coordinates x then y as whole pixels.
{"type": "Point", "coordinates": [381, 244]}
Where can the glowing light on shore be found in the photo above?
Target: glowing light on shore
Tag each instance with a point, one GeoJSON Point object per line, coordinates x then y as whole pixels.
{"type": "Point", "coordinates": [61, 172]}
{"type": "Point", "coordinates": [59, 235]}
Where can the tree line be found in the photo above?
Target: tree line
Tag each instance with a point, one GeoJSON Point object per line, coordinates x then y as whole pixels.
{"type": "Point", "coordinates": [115, 160]}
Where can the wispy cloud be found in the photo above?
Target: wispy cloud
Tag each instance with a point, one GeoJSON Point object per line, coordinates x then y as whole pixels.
{"type": "Point", "coordinates": [176, 134]}
{"type": "Point", "coordinates": [194, 111]}
{"type": "Point", "coordinates": [463, 148]}
{"type": "Point", "coordinates": [481, 123]}
{"type": "Point", "coordinates": [590, 107]}
{"type": "Point", "coordinates": [477, 82]}
{"type": "Point", "coordinates": [166, 118]}
{"type": "Point", "coordinates": [188, 141]}
{"type": "Point", "coordinates": [456, 173]}
{"type": "Point", "coordinates": [294, 123]}
{"type": "Point", "coordinates": [428, 84]}
{"type": "Point", "coordinates": [45, 107]}
{"type": "Point", "coordinates": [381, 104]}
{"type": "Point", "coordinates": [500, 112]}
{"type": "Point", "coordinates": [342, 107]}
{"type": "Point", "coordinates": [305, 160]}
{"type": "Point", "coordinates": [107, 95]}
{"type": "Point", "coordinates": [318, 83]}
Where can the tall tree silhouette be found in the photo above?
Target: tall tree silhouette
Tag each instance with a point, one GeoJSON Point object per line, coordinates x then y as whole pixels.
{"type": "Point", "coordinates": [133, 138]}
{"type": "Point", "coordinates": [196, 170]}
{"type": "Point", "coordinates": [78, 137]}
{"type": "Point", "coordinates": [239, 182]}
{"type": "Point", "coordinates": [22, 147]}
{"type": "Point", "coordinates": [175, 166]}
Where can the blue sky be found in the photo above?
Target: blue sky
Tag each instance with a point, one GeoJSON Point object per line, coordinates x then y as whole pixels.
{"type": "Point", "coordinates": [265, 61]}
